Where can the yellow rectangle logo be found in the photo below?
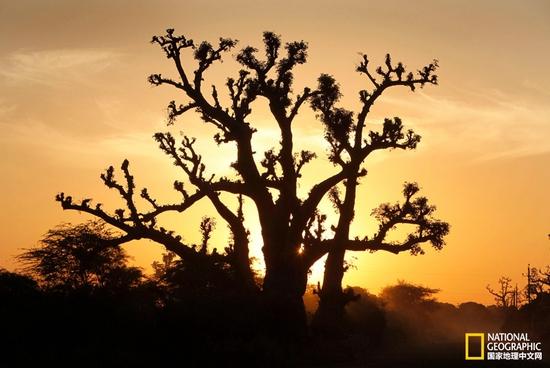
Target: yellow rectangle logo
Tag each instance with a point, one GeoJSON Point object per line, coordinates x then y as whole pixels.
{"type": "Point", "coordinates": [476, 335]}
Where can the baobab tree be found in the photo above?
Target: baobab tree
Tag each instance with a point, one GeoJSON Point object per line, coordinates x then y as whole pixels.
{"type": "Point", "coordinates": [292, 228]}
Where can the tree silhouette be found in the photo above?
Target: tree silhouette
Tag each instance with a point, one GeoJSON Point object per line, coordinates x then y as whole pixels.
{"type": "Point", "coordinates": [83, 256]}
{"type": "Point", "coordinates": [15, 286]}
{"type": "Point", "coordinates": [413, 211]}
{"type": "Point", "coordinates": [540, 280]}
{"type": "Point", "coordinates": [292, 228]}
{"type": "Point", "coordinates": [206, 275]}
{"type": "Point", "coordinates": [503, 295]}
{"type": "Point", "coordinates": [404, 295]}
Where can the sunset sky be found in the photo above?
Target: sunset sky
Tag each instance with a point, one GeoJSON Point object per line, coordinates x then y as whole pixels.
{"type": "Point", "coordinates": [74, 99]}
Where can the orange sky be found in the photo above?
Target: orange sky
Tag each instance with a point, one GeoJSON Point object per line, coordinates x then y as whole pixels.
{"type": "Point", "coordinates": [74, 99]}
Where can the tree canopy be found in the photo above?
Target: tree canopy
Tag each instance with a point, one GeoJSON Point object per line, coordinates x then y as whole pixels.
{"type": "Point", "coordinates": [83, 256]}
{"type": "Point", "coordinates": [293, 230]}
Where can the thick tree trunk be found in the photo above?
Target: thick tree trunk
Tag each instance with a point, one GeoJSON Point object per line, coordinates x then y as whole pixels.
{"type": "Point", "coordinates": [284, 286]}
{"type": "Point", "coordinates": [241, 263]}
{"type": "Point", "coordinates": [330, 314]}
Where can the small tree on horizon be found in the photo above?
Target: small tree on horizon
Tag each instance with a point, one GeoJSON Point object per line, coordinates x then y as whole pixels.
{"type": "Point", "coordinates": [80, 257]}
{"type": "Point", "coordinates": [503, 294]}
{"type": "Point", "coordinates": [540, 280]}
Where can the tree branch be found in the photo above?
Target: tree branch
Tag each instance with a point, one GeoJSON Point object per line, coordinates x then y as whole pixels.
{"type": "Point", "coordinates": [413, 211]}
{"type": "Point", "coordinates": [133, 232]}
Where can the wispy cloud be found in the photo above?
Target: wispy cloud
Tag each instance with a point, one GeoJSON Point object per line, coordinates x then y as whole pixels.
{"type": "Point", "coordinates": [487, 124]}
{"type": "Point", "coordinates": [58, 145]}
{"type": "Point", "coordinates": [82, 150]}
{"type": "Point", "coordinates": [56, 67]}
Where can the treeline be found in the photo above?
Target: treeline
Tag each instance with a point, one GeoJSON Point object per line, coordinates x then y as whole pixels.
{"type": "Point", "coordinates": [76, 300]}
{"type": "Point", "coordinates": [537, 286]}
{"type": "Point", "coordinates": [405, 325]}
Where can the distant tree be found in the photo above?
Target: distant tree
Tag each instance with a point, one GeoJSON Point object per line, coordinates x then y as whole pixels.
{"type": "Point", "coordinates": [291, 227]}
{"type": "Point", "coordinates": [504, 294]}
{"type": "Point", "coordinates": [161, 269]}
{"type": "Point", "coordinates": [540, 280]}
{"type": "Point", "coordinates": [406, 295]}
{"type": "Point", "coordinates": [83, 256]}
{"type": "Point", "coordinates": [14, 285]}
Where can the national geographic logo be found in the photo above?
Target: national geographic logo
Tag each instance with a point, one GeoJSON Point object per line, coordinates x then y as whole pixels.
{"type": "Point", "coordinates": [475, 346]}
{"type": "Point", "coordinates": [501, 346]}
